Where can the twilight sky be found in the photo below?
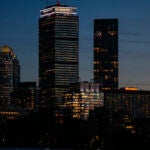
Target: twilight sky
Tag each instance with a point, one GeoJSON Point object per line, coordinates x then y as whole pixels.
{"type": "Point", "coordinates": [19, 30]}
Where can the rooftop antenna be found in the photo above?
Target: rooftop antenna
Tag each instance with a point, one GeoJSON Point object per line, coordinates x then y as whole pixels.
{"type": "Point", "coordinates": [57, 2]}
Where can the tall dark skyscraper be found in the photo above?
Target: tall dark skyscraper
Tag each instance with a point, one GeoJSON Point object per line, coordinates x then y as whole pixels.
{"type": "Point", "coordinates": [9, 74]}
{"type": "Point", "coordinates": [106, 53]}
{"type": "Point", "coordinates": [58, 52]}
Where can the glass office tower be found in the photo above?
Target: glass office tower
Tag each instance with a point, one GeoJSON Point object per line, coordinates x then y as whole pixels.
{"type": "Point", "coordinates": [58, 52]}
{"type": "Point", "coordinates": [9, 74]}
{"type": "Point", "coordinates": [106, 53]}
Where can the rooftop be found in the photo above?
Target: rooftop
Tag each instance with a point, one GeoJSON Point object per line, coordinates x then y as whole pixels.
{"type": "Point", "coordinates": [6, 49]}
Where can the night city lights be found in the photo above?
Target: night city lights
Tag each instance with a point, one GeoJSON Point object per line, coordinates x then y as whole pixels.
{"type": "Point", "coordinates": [74, 75]}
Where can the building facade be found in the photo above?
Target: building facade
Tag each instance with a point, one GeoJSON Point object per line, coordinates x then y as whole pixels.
{"type": "Point", "coordinates": [58, 52]}
{"type": "Point", "coordinates": [82, 98]}
{"type": "Point", "coordinates": [26, 96]}
{"type": "Point", "coordinates": [106, 53]}
{"type": "Point", "coordinates": [128, 100]}
{"type": "Point", "coordinates": [9, 74]}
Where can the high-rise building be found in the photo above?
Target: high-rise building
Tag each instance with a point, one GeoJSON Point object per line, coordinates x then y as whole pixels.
{"type": "Point", "coordinates": [9, 74]}
{"type": "Point", "coordinates": [106, 53]}
{"type": "Point", "coordinates": [58, 52]}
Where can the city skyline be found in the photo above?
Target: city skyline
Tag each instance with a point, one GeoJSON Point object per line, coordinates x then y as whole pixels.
{"type": "Point", "coordinates": [19, 30]}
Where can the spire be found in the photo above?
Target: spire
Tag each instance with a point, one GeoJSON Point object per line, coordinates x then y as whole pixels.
{"type": "Point", "coordinates": [58, 3]}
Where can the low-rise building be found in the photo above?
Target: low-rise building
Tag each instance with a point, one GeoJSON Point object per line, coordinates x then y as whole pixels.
{"type": "Point", "coordinates": [129, 100]}
{"type": "Point", "coordinates": [26, 96]}
{"type": "Point", "coordinates": [83, 97]}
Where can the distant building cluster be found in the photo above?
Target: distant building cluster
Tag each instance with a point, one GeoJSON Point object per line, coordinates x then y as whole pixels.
{"type": "Point", "coordinates": [59, 84]}
{"type": "Point", "coordinates": [83, 98]}
{"type": "Point", "coordinates": [9, 83]}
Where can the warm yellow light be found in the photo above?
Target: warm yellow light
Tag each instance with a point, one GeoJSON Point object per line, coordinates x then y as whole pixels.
{"type": "Point", "coordinates": [131, 88]}
{"type": "Point", "coordinates": [129, 127]}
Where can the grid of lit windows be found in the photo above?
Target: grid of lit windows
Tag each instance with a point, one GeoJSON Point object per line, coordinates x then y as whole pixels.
{"type": "Point", "coordinates": [9, 74]}
{"type": "Point", "coordinates": [83, 101]}
{"type": "Point", "coordinates": [134, 102]}
{"type": "Point", "coordinates": [106, 53]}
{"type": "Point", "coordinates": [58, 53]}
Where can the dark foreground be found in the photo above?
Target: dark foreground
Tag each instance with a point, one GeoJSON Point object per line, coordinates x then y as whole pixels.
{"type": "Point", "coordinates": [38, 131]}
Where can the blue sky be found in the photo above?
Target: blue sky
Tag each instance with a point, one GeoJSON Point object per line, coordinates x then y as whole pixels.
{"type": "Point", "coordinates": [19, 30]}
